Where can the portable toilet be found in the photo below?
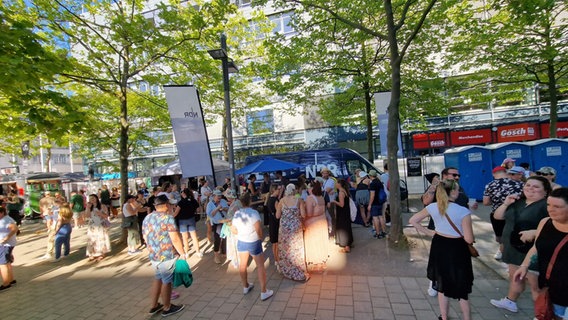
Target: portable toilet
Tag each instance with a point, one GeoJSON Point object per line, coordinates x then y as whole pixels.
{"type": "Point", "coordinates": [475, 166]}
{"type": "Point", "coordinates": [551, 153]}
{"type": "Point", "coordinates": [520, 152]}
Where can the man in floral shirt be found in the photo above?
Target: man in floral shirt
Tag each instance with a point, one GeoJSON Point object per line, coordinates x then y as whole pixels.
{"type": "Point", "coordinates": [495, 193]}
{"type": "Point", "coordinates": [164, 244]}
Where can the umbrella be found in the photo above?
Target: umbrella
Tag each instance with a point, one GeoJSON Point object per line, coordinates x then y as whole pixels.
{"type": "Point", "coordinates": [268, 165]}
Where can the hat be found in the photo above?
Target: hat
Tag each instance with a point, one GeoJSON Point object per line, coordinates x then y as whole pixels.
{"type": "Point", "coordinates": [373, 173]}
{"type": "Point", "coordinates": [498, 168]}
{"type": "Point", "coordinates": [217, 193]}
{"type": "Point", "coordinates": [547, 170]}
{"type": "Point", "coordinates": [362, 174]}
{"type": "Point", "coordinates": [430, 176]}
{"type": "Point", "coordinates": [161, 199]}
{"type": "Point", "coordinates": [325, 169]}
{"type": "Point", "coordinates": [507, 160]}
{"type": "Point", "coordinates": [230, 194]}
{"type": "Point", "coordinates": [516, 170]}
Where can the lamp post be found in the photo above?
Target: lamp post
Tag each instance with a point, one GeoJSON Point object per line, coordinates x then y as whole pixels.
{"type": "Point", "coordinates": [228, 67]}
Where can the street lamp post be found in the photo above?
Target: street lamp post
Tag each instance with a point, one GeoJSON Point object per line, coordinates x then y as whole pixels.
{"type": "Point", "coordinates": [228, 67]}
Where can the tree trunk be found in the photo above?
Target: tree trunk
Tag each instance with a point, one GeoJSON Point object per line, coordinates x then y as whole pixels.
{"type": "Point", "coordinates": [124, 151]}
{"type": "Point", "coordinates": [47, 164]}
{"type": "Point", "coordinates": [393, 128]}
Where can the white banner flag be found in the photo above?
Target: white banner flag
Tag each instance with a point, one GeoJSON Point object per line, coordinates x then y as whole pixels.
{"type": "Point", "coordinates": [189, 130]}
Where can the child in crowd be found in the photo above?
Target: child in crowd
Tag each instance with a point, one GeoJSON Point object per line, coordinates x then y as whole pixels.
{"type": "Point", "coordinates": [63, 231]}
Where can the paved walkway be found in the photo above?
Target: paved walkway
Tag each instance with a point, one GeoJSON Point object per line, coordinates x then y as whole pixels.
{"type": "Point", "coordinates": [374, 281]}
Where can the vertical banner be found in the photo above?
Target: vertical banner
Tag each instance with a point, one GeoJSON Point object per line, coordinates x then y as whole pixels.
{"type": "Point", "coordinates": [382, 100]}
{"type": "Point", "coordinates": [189, 131]}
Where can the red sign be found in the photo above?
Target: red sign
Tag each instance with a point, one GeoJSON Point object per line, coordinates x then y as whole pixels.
{"type": "Point", "coordinates": [429, 140]}
{"type": "Point", "coordinates": [437, 140]}
{"type": "Point", "coordinates": [561, 129]}
{"type": "Point", "coordinates": [517, 132]}
{"type": "Point", "coordinates": [467, 137]}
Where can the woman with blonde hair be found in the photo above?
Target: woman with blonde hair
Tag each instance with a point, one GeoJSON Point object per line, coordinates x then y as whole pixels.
{"type": "Point", "coordinates": [291, 253]}
{"type": "Point", "coordinates": [63, 231]}
{"type": "Point", "coordinates": [449, 264]}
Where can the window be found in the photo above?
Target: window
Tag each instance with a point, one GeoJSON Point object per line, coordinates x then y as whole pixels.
{"type": "Point", "coordinates": [243, 3]}
{"type": "Point", "coordinates": [143, 86]}
{"type": "Point", "coordinates": [282, 22]}
{"type": "Point", "coordinates": [260, 122]}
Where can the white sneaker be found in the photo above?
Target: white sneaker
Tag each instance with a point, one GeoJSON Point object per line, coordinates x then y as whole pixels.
{"type": "Point", "coordinates": [248, 289]}
{"type": "Point", "coordinates": [46, 257]}
{"type": "Point", "coordinates": [199, 254]}
{"type": "Point", "coordinates": [432, 292]}
{"type": "Point", "coordinates": [498, 255]}
{"type": "Point", "coordinates": [266, 295]}
{"type": "Point", "coordinates": [505, 303]}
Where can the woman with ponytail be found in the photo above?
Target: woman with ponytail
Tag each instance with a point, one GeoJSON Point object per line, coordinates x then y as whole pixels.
{"type": "Point", "coordinates": [449, 264]}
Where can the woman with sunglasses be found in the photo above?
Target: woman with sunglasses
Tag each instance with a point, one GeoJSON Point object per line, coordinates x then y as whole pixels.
{"type": "Point", "coordinates": [522, 214]}
{"type": "Point", "coordinates": [550, 174]}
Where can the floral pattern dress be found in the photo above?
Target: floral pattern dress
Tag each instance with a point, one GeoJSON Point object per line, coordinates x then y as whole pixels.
{"type": "Point", "coordinates": [291, 244]}
{"type": "Point", "coordinates": [98, 240]}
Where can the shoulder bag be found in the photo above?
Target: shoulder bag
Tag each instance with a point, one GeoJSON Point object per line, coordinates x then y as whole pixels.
{"type": "Point", "coordinates": [543, 305]}
{"type": "Point", "coordinates": [474, 253]}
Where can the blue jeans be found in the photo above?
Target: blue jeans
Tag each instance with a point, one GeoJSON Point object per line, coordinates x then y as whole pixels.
{"type": "Point", "coordinates": [63, 237]}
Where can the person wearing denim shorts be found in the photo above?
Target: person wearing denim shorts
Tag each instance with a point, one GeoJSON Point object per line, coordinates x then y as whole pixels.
{"type": "Point", "coordinates": [246, 225]}
{"type": "Point", "coordinates": [164, 245]}
{"type": "Point", "coordinates": [8, 231]}
{"type": "Point", "coordinates": [185, 213]}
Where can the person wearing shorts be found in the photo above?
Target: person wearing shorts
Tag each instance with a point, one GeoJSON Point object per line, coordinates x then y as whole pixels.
{"type": "Point", "coordinates": [8, 230]}
{"type": "Point", "coordinates": [375, 206]}
{"type": "Point", "coordinates": [185, 213]}
{"type": "Point", "coordinates": [164, 246]}
{"type": "Point", "coordinates": [247, 227]}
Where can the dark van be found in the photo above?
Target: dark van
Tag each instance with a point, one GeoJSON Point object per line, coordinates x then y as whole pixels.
{"type": "Point", "coordinates": [341, 162]}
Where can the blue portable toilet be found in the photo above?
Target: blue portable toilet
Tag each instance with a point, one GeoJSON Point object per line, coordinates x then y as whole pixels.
{"type": "Point", "coordinates": [520, 152]}
{"type": "Point", "coordinates": [475, 166]}
{"type": "Point", "coordinates": [551, 153]}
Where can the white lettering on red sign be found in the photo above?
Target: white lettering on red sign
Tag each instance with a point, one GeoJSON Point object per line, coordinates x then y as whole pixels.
{"type": "Point", "coordinates": [470, 137]}
{"type": "Point", "coordinates": [437, 143]}
{"type": "Point", "coordinates": [514, 132]}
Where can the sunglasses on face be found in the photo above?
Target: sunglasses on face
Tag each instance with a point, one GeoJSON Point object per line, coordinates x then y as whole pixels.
{"type": "Point", "coordinates": [544, 174]}
{"type": "Point", "coordinates": [455, 175]}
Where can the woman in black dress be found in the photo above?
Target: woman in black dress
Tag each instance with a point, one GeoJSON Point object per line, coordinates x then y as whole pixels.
{"type": "Point", "coordinates": [343, 231]}
{"type": "Point", "coordinates": [273, 222]}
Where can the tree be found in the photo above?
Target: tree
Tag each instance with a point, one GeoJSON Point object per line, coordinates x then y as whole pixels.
{"type": "Point", "coordinates": [514, 41]}
{"type": "Point", "coordinates": [118, 45]}
{"type": "Point", "coordinates": [32, 104]}
{"type": "Point", "coordinates": [403, 20]}
{"type": "Point", "coordinates": [323, 53]}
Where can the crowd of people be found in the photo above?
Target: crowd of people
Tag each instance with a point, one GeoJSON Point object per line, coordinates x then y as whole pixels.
{"type": "Point", "coordinates": [529, 214]}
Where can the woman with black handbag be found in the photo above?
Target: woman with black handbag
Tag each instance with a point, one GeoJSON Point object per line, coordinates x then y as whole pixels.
{"type": "Point", "coordinates": [551, 248]}
{"type": "Point", "coordinates": [521, 213]}
{"type": "Point", "coordinates": [449, 263]}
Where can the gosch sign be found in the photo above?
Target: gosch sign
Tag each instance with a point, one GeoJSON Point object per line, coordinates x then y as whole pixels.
{"type": "Point", "coordinates": [517, 132]}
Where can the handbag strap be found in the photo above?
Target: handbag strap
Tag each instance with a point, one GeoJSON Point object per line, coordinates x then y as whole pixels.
{"type": "Point", "coordinates": [453, 225]}
{"type": "Point", "coordinates": [554, 256]}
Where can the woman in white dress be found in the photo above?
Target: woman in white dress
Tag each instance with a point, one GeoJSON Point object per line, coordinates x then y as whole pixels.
{"type": "Point", "coordinates": [98, 240]}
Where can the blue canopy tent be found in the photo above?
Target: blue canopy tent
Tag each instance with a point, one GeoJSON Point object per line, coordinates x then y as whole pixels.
{"type": "Point", "coordinates": [267, 165]}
